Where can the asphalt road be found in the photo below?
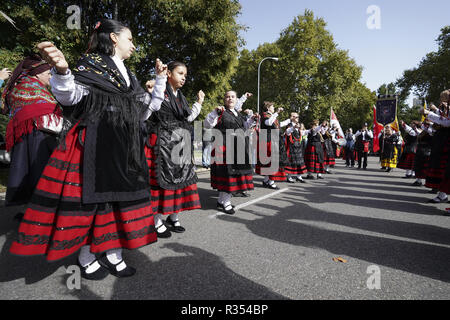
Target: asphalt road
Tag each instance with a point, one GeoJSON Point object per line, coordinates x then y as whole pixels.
{"type": "Point", "coordinates": [278, 245]}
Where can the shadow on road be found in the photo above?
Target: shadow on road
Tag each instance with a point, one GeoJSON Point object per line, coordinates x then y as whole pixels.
{"type": "Point", "coordinates": [293, 225]}
{"type": "Point", "coordinates": [195, 275]}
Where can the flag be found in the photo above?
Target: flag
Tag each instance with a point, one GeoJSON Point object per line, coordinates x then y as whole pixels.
{"type": "Point", "coordinates": [424, 108]}
{"type": "Point", "coordinates": [9, 20]}
{"type": "Point", "coordinates": [334, 120]}
{"type": "Point", "coordinates": [376, 131]}
{"type": "Point", "coordinates": [394, 125]}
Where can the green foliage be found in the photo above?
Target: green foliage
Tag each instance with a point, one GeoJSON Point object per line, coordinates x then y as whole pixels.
{"type": "Point", "coordinates": [311, 76]}
{"type": "Point", "coordinates": [203, 34]}
{"type": "Point", "coordinates": [432, 76]}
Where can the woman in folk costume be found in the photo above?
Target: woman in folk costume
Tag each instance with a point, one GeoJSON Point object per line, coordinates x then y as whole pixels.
{"type": "Point", "coordinates": [33, 128]}
{"type": "Point", "coordinates": [443, 120]}
{"type": "Point", "coordinates": [269, 122]}
{"type": "Point", "coordinates": [406, 160]}
{"type": "Point", "coordinates": [334, 142]}
{"type": "Point", "coordinates": [173, 181]}
{"type": "Point", "coordinates": [238, 107]}
{"type": "Point", "coordinates": [423, 152]}
{"type": "Point", "coordinates": [440, 148]}
{"type": "Point", "coordinates": [314, 155]}
{"type": "Point", "coordinates": [389, 142]}
{"type": "Point", "coordinates": [94, 192]}
{"type": "Point", "coordinates": [327, 145]}
{"type": "Point", "coordinates": [295, 150]}
{"type": "Point", "coordinates": [237, 175]}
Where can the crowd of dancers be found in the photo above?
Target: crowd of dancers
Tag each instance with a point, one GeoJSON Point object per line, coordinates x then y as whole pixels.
{"type": "Point", "coordinates": [92, 159]}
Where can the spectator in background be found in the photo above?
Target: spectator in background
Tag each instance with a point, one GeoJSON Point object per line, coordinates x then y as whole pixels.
{"type": "Point", "coordinates": [349, 148]}
{"type": "Point", "coordinates": [206, 146]}
{"type": "Point", "coordinates": [362, 142]}
{"type": "Point", "coordinates": [5, 73]}
{"type": "Point", "coordinates": [34, 124]}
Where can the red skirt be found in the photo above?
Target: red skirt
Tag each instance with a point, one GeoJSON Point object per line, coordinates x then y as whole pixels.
{"type": "Point", "coordinates": [406, 161]}
{"type": "Point", "coordinates": [312, 161]}
{"type": "Point", "coordinates": [169, 201]}
{"type": "Point", "coordinates": [295, 170]}
{"type": "Point", "coordinates": [57, 223]}
{"type": "Point", "coordinates": [435, 176]}
{"type": "Point", "coordinates": [445, 186]}
{"type": "Point", "coordinates": [278, 175]}
{"type": "Point", "coordinates": [222, 181]}
{"type": "Point", "coordinates": [327, 161]}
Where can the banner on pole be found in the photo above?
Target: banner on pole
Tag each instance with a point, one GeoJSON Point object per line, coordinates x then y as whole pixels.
{"type": "Point", "coordinates": [386, 109]}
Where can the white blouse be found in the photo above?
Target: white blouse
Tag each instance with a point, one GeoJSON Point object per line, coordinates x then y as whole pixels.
{"type": "Point", "coordinates": [68, 92]}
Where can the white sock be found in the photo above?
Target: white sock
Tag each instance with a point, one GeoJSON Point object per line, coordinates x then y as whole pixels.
{"type": "Point", "coordinates": [174, 218]}
{"type": "Point", "coordinates": [299, 177]}
{"type": "Point", "coordinates": [86, 257]}
{"type": "Point", "coordinates": [266, 179]}
{"type": "Point", "coordinates": [221, 197]}
{"type": "Point", "coordinates": [442, 195]}
{"type": "Point", "coordinates": [413, 173]}
{"type": "Point", "coordinates": [227, 198]}
{"type": "Point", "coordinates": [159, 222]}
{"type": "Point", "coordinates": [319, 174]}
{"type": "Point", "coordinates": [115, 256]}
{"type": "Point", "coordinates": [408, 172]}
{"type": "Point", "coordinates": [227, 203]}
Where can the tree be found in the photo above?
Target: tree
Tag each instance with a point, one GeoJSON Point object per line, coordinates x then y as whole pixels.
{"type": "Point", "coordinates": [432, 76]}
{"type": "Point", "coordinates": [203, 34]}
{"type": "Point", "coordinates": [311, 76]}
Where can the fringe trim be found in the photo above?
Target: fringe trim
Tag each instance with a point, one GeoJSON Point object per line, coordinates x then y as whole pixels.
{"type": "Point", "coordinates": [15, 131]}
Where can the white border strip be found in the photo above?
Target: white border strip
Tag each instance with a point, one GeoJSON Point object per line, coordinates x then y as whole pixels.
{"type": "Point", "coordinates": [243, 205]}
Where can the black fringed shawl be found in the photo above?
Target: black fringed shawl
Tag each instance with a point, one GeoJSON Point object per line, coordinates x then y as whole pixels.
{"type": "Point", "coordinates": [114, 162]}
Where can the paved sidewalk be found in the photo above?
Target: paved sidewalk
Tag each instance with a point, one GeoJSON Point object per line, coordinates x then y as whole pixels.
{"type": "Point", "coordinates": [357, 234]}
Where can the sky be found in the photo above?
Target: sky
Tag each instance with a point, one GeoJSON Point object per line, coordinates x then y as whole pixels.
{"type": "Point", "coordinates": [407, 30]}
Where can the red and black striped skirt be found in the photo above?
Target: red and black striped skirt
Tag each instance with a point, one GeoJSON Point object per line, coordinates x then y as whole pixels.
{"type": "Point", "coordinates": [445, 186]}
{"type": "Point", "coordinates": [312, 160]}
{"type": "Point", "coordinates": [169, 201]}
{"type": "Point", "coordinates": [406, 161]}
{"type": "Point", "coordinates": [421, 167]}
{"type": "Point", "coordinates": [295, 169]}
{"type": "Point", "coordinates": [222, 181]}
{"type": "Point", "coordinates": [277, 174]}
{"type": "Point", "coordinates": [327, 160]}
{"type": "Point", "coordinates": [435, 175]}
{"type": "Point", "coordinates": [57, 223]}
